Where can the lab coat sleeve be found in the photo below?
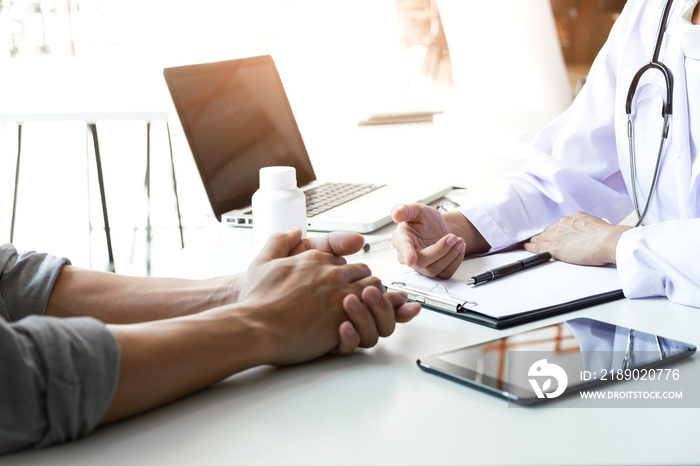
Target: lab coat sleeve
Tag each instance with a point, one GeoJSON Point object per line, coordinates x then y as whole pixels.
{"type": "Point", "coordinates": [573, 167]}
{"type": "Point", "coordinates": [651, 262]}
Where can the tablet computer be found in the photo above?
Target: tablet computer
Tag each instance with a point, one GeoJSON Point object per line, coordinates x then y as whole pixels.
{"type": "Point", "coordinates": [574, 356]}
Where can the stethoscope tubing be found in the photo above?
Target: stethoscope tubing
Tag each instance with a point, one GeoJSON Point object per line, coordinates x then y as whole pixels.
{"type": "Point", "coordinates": [666, 111]}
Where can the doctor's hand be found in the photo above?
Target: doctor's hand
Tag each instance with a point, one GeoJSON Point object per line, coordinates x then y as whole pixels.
{"type": "Point", "coordinates": [432, 243]}
{"type": "Point", "coordinates": [579, 239]}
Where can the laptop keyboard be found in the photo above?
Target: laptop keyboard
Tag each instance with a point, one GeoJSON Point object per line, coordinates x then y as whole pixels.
{"type": "Point", "coordinates": [328, 195]}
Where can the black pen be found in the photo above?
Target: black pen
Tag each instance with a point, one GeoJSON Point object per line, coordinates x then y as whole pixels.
{"type": "Point", "coordinates": [517, 266]}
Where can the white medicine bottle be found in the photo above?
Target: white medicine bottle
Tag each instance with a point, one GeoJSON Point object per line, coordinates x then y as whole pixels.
{"type": "Point", "coordinates": [278, 204]}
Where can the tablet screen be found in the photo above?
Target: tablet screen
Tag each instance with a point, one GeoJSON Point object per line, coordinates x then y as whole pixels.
{"type": "Point", "coordinates": [550, 361]}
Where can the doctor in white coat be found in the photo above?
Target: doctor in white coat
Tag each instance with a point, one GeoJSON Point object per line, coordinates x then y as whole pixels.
{"type": "Point", "coordinates": [581, 171]}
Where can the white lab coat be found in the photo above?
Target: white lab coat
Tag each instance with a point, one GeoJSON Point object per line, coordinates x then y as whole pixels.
{"type": "Point", "coordinates": [581, 163]}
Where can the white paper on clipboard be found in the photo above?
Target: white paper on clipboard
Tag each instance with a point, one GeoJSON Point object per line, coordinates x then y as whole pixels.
{"type": "Point", "coordinates": [543, 286]}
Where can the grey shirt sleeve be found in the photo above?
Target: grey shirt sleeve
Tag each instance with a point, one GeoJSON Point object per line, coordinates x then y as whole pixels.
{"type": "Point", "coordinates": [57, 376]}
{"type": "Point", "coordinates": [26, 281]}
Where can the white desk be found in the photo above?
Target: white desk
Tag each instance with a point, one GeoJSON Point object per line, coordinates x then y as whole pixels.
{"type": "Point", "coordinates": [377, 407]}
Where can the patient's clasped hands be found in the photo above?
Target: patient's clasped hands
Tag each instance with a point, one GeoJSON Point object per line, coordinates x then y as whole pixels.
{"type": "Point", "coordinates": [312, 301]}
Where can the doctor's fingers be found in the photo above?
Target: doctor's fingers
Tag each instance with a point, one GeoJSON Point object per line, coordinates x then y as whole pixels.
{"type": "Point", "coordinates": [443, 258]}
{"type": "Point", "coordinates": [405, 248]}
{"type": "Point", "coordinates": [411, 213]}
{"type": "Point", "coordinates": [536, 246]}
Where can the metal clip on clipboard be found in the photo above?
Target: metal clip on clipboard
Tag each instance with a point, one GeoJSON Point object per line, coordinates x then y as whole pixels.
{"type": "Point", "coordinates": [437, 296]}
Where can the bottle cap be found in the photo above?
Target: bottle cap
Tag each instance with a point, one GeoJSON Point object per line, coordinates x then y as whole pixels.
{"type": "Point", "coordinates": [278, 177]}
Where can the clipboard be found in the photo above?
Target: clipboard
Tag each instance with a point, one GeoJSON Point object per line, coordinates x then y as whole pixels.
{"type": "Point", "coordinates": [543, 291]}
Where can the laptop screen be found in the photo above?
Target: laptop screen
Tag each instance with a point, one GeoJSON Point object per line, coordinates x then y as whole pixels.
{"type": "Point", "coordinates": [237, 119]}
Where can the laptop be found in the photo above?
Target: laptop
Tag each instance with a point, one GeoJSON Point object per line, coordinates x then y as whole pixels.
{"type": "Point", "coordinates": [237, 119]}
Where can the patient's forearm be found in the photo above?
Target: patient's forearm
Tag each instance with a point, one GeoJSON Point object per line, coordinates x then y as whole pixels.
{"type": "Point", "coordinates": [165, 360]}
{"type": "Point", "coordinates": [122, 299]}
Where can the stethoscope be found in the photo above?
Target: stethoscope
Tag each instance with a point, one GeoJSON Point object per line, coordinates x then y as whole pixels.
{"type": "Point", "coordinates": [666, 111]}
